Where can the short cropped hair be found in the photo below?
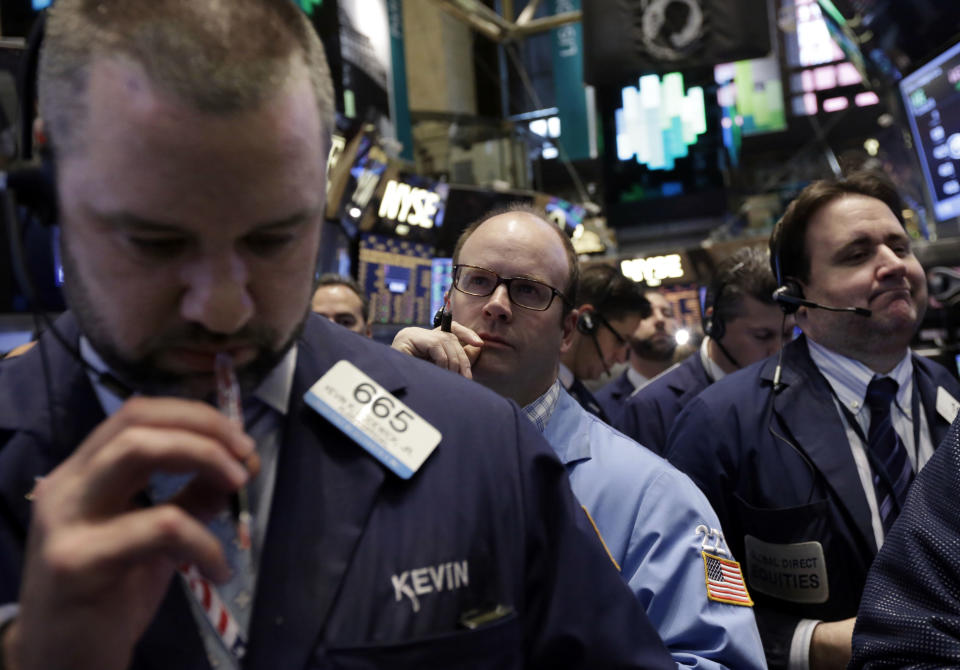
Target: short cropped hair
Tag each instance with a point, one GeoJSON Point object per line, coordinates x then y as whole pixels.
{"type": "Point", "coordinates": [788, 241]}
{"type": "Point", "coordinates": [744, 273]}
{"type": "Point", "coordinates": [219, 57]}
{"type": "Point", "coordinates": [334, 279]}
{"type": "Point", "coordinates": [611, 293]}
{"type": "Point", "coordinates": [573, 281]}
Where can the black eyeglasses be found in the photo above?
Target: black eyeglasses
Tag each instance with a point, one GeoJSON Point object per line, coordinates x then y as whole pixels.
{"type": "Point", "coordinates": [606, 324]}
{"type": "Point", "coordinates": [523, 292]}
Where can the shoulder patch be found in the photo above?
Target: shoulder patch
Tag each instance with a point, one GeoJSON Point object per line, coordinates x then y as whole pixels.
{"type": "Point", "coordinates": [724, 581]}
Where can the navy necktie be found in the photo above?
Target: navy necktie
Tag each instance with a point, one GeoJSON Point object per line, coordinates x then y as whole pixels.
{"type": "Point", "coordinates": [893, 471]}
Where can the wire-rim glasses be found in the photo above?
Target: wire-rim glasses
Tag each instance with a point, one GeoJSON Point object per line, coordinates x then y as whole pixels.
{"type": "Point", "coordinates": [523, 291]}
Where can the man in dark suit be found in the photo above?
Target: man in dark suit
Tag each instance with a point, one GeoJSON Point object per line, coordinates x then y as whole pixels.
{"type": "Point", "coordinates": [910, 612]}
{"type": "Point", "coordinates": [807, 463]}
{"type": "Point", "coordinates": [652, 346]}
{"type": "Point", "coordinates": [377, 521]}
{"type": "Point", "coordinates": [742, 324]}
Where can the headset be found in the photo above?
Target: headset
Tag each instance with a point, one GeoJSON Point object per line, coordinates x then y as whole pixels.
{"type": "Point", "coordinates": [714, 325]}
{"type": "Point", "coordinates": [587, 323]}
{"type": "Point", "coordinates": [789, 295]}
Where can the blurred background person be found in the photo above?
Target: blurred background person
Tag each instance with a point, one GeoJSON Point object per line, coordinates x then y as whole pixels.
{"type": "Point", "coordinates": [742, 325]}
{"type": "Point", "coordinates": [342, 300]}
{"type": "Point", "coordinates": [610, 307]}
{"type": "Point", "coordinates": [653, 346]}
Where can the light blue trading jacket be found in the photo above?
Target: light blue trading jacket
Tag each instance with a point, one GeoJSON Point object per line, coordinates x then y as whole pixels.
{"type": "Point", "coordinates": [648, 514]}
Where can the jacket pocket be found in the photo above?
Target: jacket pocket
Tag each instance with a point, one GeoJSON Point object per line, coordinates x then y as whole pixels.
{"type": "Point", "coordinates": [498, 645]}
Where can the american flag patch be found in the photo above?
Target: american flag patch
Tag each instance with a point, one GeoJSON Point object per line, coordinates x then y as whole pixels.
{"type": "Point", "coordinates": [725, 581]}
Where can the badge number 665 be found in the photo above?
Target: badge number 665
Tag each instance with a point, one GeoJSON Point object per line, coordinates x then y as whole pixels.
{"type": "Point", "coordinates": [382, 407]}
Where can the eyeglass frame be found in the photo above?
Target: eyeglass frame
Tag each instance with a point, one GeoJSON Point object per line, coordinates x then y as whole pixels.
{"type": "Point", "coordinates": [506, 281]}
{"type": "Point", "coordinates": [603, 320]}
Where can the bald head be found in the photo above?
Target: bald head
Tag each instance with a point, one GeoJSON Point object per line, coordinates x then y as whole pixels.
{"type": "Point", "coordinates": [520, 213]}
{"type": "Point", "coordinates": [522, 345]}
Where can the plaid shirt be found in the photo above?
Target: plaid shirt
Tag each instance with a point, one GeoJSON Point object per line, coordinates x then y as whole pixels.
{"type": "Point", "coordinates": [541, 409]}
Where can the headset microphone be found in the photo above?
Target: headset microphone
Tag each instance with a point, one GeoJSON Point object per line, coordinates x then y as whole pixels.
{"type": "Point", "coordinates": [790, 303]}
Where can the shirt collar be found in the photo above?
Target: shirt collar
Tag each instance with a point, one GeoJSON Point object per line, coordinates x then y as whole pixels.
{"type": "Point", "coordinates": [636, 378]}
{"type": "Point", "coordinates": [714, 371]}
{"type": "Point", "coordinates": [274, 391]}
{"type": "Point", "coordinates": [849, 378]}
{"type": "Point", "coordinates": [541, 409]}
{"type": "Point", "coordinates": [565, 375]}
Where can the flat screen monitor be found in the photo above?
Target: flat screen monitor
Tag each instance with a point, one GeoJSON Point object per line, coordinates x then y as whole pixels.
{"type": "Point", "coordinates": [931, 96]}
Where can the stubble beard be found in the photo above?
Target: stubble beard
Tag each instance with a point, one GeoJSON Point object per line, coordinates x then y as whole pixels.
{"type": "Point", "coordinates": [142, 371]}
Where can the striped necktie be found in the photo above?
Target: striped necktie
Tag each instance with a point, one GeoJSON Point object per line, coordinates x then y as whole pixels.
{"type": "Point", "coordinates": [893, 471]}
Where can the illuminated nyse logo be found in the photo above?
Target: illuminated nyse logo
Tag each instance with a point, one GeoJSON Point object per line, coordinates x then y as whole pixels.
{"type": "Point", "coordinates": [408, 204]}
{"type": "Point", "coordinates": [653, 270]}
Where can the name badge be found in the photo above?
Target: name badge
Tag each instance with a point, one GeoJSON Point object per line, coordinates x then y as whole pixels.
{"type": "Point", "coordinates": [947, 405]}
{"type": "Point", "coordinates": [794, 572]}
{"type": "Point", "coordinates": [367, 413]}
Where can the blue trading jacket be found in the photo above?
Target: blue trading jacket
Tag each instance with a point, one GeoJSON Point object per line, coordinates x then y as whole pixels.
{"type": "Point", "coordinates": [776, 467]}
{"type": "Point", "coordinates": [651, 411]}
{"type": "Point", "coordinates": [655, 523]}
{"type": "Point", "coordinates": [612, 396]}
{"type": "Point", "coordinates": [348, 544]}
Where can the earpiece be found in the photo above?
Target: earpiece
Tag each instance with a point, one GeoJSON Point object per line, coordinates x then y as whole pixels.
{"type": "Point", "coordinates": [714, 326]}
{"type": "Point", "coordinates": [790, 296]}
{"type": "Point", "coordinates": [586, 324]}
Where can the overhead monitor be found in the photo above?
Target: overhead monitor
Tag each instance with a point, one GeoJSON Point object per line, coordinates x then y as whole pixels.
{"type": "Point", "coordinates": [931, 96]}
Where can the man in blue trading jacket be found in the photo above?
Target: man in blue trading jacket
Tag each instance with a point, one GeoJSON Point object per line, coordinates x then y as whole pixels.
{"type": "Point", "coordinates": [742, 324]}
{"type": "Point", "coordinates": [807, 463]}
{"type": "Point", "coordinates": [652, 346]}
{"type": "Point", "coordinates": [910, 612]}
{"type": "Point", "coordinates": [515, 279]}
{"type": "Point", "coordinates": [191, 195]}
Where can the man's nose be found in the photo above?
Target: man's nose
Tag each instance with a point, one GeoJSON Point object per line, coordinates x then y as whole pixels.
{"type": "Point", "coordinates": [498, 304]}
{"type": "Point", "coordinates": [217, 294]}
{"type": "Point", "coordinates": [891, 263]}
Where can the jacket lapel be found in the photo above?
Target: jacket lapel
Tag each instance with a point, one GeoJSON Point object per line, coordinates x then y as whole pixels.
{"type": "Point", "coordinates": [691, 378]}
{"type": "Point", "coordinates": [623, 388]}
{"type": "Point", "coordinates": [928, 402]}
{"type": "Point", "coordinates": [326, 487]}
{"type": "Point", "coordinates": [807, 411]}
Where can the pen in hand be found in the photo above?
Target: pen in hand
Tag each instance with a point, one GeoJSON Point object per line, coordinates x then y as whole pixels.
{"type": "Point", "coordinates": [229, 403]}
{"type": "Point", "coordinates": [446, 316]}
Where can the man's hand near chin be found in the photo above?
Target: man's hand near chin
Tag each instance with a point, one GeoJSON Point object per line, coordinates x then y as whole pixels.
{"type": "Point", "coordinates": [456, 351]}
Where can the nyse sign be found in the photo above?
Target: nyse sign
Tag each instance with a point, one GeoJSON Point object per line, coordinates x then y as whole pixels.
{"type": "Point", "coordinates": [407, 204]}
{"type": "Point", "coordinates": [653, 270]}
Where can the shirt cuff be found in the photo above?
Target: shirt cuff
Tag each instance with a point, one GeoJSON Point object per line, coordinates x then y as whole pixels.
{"type": "Point", "coordinates": [800, 645]}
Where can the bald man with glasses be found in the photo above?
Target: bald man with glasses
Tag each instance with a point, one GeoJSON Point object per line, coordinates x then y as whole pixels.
{"type": "Point", "coordinates": [512, 304]}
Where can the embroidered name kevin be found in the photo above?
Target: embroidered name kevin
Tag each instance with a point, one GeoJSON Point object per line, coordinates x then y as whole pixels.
{"type": "Point", "coordinates": [430, 579]}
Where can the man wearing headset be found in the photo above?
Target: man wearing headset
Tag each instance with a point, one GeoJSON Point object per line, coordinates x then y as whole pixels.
{"type": "Point", "coordinates": [807, 461]}
{"type": "Point", "coordinates": [742, 324]}
{"type": "Point", "coordinates": [515, 283]}
{"type": "Point", "coordinates": [610, 308]}
{"type": "Point", "coordinates": [191, 142]}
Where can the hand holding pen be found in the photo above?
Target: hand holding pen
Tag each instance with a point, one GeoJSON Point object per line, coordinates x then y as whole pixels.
{"type": "Point", "coordinates": [230, 404]}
